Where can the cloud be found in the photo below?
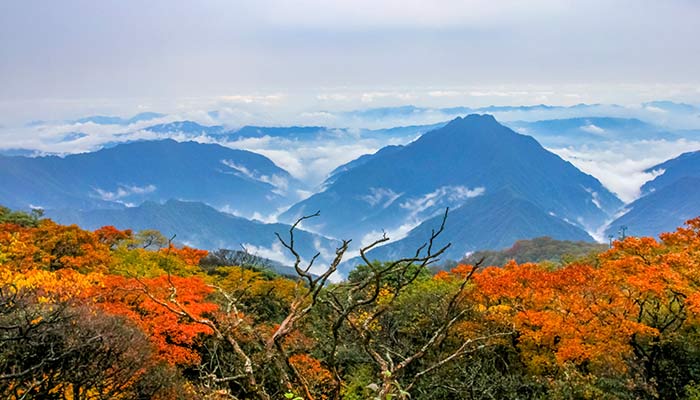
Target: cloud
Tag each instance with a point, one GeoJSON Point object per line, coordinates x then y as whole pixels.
{"type": "Point", "coordinates": [249, 99]}
{"type": "Point", "coordinates": [275, 252]}
{"type": "Point", "coordinates": [620, 166]}
{"type": "Point", "coordinates": [493, 93]}
{"type": "Point", "coordinates": [445, 93]}
{"type": "Point", "coordinates": [444, 194]}
{"type": "Point", "coordinates": [590, 128]}
{"type": "Point", "coordinates": [275, 180]}
{"type": "Point", "coordinates": [363, 14]}
{"type": "Point", "coordinates": [124, 191]}
{"type": "Point", "coordinates": [371, 97]}
{"type": "Point", "coordinates": [311, 161]}
{"type": "Point", "coordinates": [381, 196]}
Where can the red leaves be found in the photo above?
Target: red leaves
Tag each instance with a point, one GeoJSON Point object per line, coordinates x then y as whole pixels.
{"type": "Point", "coordinates": [173, 334]}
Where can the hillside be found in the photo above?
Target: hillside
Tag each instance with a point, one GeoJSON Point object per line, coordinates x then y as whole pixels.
{"type": "Point", "coordinates": [536, 250]}
{"type": "Point", "coordinates": [467, 158]}
{"type": "Point", "coordinates": [154, 170]}
{"type": "Point", "coordinates": [201, 226]}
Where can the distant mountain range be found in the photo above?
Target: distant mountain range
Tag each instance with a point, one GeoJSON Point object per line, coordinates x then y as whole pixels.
{"type": "Point", "coordinates": [299, 133]}
{"type": "Point", "coordinates": [501, 186]}
{"type": "Point", "coordinates": [452, 166]}
{"type": "Point", "coordinates": [593, 130]}
{"type": "Point", "coordinates": [668, 200]}
{"type": "Point", "coordinates": [111, 120]}
{"type": "Point", "coordinates": [201, 226]}
{"type": "Point", "coordinates": [129, 174]}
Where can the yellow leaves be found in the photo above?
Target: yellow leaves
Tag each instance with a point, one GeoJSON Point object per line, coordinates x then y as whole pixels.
{"type": "Point", "coordinates": [364, 318]}
{"type": "Point", "coordinates": [385, 295]}
{"type": "Point", "coordinates": [51, 287]}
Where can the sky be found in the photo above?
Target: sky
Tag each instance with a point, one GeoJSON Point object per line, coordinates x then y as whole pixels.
{"type": "Point", "coordinates": [305, 62]}
{"type": "Point", "coordinates": [69, 58]}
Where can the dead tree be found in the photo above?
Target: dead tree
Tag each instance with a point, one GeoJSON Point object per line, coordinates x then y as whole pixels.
{"type": "Point", "coordinates": [344, 299]}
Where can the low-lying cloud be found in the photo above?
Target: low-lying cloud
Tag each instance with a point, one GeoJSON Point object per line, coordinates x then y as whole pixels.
{"type": "Point", "coordinates": [621, 166]}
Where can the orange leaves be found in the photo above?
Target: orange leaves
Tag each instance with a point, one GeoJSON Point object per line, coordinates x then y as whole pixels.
{"type": "Point", "coordinates": [318, 379]}
{"type": "Point", "coordinates": [188, 255]}
{"type": "Point", "coordinates": [596, 315]}
{"type": "Point", "coordinates": [52, 246]}
{"type": "Point", "coordinates": [111, 236]}
{"type": "Point", "coordinates": [161, 316]}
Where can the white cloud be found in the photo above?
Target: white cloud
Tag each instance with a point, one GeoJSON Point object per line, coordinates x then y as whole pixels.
{"type": "Point", "coordinates": [371, 97]}
{"type": "Point", "coordinates": [124, 191]}
{"type": "Point", "coordinates": [620, 166]}
{"type": "Point", "coordinates": [444, 194]}
{"type": "Point", "coordinates": [275, 252]}
{"type": "Point", "coordinates": [494, 93]}
{"type": "Point", "coordinates": [590, 128]}
{"type": "Point", "coordinates": [275, 180]}
{"type": "Point", "coordinates": [445, 93]}
{"type": "Point", "coordinates": [380, 196]}
{"type": "Point", "coordinates": [362, 14]}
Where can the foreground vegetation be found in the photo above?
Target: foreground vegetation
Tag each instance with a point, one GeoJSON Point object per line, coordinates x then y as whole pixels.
{"type": "Point", "coordinates": [115, 314]}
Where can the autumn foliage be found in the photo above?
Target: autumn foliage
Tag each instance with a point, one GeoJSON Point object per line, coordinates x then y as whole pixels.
{"type": "Point", "coordinates": [118, 314]}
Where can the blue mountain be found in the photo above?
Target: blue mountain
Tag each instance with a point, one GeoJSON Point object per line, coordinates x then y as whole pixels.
{"type": "Point", "coordinates": [201, 226]}
{"type": "Point", "coordinates": [466, 158]}
{"type": "Point", "coordinates": [592, 130]}
{"type": "Point", "coordinates": [291, 132]}
{"type": "Point", "coordinates": [667, 201]}
{"type": "Point", "coordinates": [190, 128]}
{"type": "Point", "coordinates": [493, 221]}
{"type": "Point", "coordinates": [111, 120]}
{"type": "Point", "coordinates": [672, 106]}
{"type": "Point", "coordinates": [151, 170]}
{"type": "Point", "coordinates": [685, 165]}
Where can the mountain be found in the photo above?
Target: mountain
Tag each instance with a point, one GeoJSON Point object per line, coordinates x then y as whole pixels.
{"type": "Point", "coordinates": [685, 165]}
{"type": "Point", "coordinates": [189, 128]}
{"type": "Point", "coordinates": [220, 133]}
{"type": "Point", "coordinates": [151, 170]}
{"type": "Point", "coordinates": [295, 132]}
{"type": "Point", "coordinates": [671, 106]}
{"type": "Point", "coordinates": [201, 226]}
{"type": "Point", "coordinates": [18, 152]}
{"type": "Point", "coordinates": [668, 200]}
{"type": "Point", "coordinates": [466, 158]}
{"type": "Point", "coordinates": [541, 249]}
{"type": "Point", "coordinates": [593, 130]}
{"type": "Point", "coordinates": [384, 151]}
{"type": "Point", "coordinates": [492, 221]}
{"type": "Point", "coordinates": [662, 210]}
{"type": "Point", "coordinates": [111, 120]}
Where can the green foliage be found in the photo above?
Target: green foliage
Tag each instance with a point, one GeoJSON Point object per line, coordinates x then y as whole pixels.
{"type": "Point", "coordinates": [393, 279]}
{"type": "Point", "coordinates": [108, 314]}
{"type": "Point", "coordinates": [21, 218]}
{"type": "Point", "coordinates": [543, 249]}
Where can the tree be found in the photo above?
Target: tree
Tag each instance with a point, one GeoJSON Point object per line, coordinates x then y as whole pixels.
{"type": "Point", "coordinates": [54, 345]}
{"type": "Point", "coordinates": [354, 307]}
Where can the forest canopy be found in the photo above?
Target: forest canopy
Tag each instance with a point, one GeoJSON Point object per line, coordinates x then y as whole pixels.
{"type": "Point", "coordinates": [119, 314]}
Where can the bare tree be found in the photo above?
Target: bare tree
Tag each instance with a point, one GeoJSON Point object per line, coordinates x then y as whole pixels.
{"type": "Point", "coordinates": [344, 299]}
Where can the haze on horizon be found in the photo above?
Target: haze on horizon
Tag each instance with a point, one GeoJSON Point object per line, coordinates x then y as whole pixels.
{"type": "Point", "coordinates": [76, 57]}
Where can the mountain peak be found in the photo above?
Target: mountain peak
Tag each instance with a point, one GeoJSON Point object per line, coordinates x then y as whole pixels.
{"type": "Point", "coordinates": [474, 119]}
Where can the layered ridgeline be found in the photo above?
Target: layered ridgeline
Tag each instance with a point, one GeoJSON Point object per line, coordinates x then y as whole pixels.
{"type": "Point", "coordinates": [201, 226]}
{"type": "Point", "coordinates": [132, 173]}
{"type": "Point", "coordinates": [220, 133]}
{"type": "Point", "coordinates": [508, 186]}
{"type": "Point", "coordinates": [591, 130]}
{"type": "Point", "coordinates": [667, 201]}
